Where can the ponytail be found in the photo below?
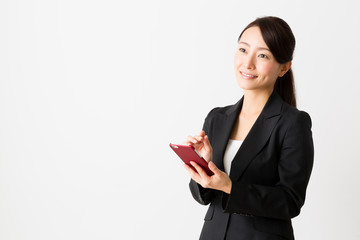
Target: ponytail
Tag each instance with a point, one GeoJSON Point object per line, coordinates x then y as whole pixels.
{"type": "Point", "coordinates": [285, 87]}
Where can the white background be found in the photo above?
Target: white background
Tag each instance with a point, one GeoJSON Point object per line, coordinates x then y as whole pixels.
{"type": "Point", "coordinates": [92, 93]}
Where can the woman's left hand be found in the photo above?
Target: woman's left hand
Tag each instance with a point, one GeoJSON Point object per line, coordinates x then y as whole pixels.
{"type": "Point", "coordinates": [219, 181]}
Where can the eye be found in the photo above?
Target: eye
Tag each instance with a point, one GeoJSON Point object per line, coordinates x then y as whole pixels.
{"type": "Point", "coordinates": [263, 56]}
{"type": "Point", "coordinates": [242, 50]}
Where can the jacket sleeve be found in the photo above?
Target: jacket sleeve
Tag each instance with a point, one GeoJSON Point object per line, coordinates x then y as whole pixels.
{"type": "Point", "coordinates": [285, 199]}
{"type": "Point", "coordinates": [200, 194]}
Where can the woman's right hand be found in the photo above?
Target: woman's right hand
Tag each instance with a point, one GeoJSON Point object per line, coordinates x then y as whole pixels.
{"type": "Point", "coordinates": [202, 145]}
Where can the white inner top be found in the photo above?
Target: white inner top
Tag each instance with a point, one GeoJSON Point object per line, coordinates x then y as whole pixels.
{"type": "Point", "coordinates": [230, 152]}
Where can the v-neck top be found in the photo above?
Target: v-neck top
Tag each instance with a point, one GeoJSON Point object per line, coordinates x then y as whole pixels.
{"type": "Point", "coordinates": [230, 152]}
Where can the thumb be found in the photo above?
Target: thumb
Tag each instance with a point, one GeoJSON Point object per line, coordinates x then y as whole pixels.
{"type": "Point", "coordinates": [213, 167]}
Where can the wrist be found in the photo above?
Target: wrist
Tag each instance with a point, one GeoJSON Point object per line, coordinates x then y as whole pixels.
{"type": "Point", "coordinates": [228, 187]}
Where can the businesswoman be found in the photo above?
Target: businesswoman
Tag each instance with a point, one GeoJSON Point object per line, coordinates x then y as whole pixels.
{"type": "Point", "coordinates": [259, 149]}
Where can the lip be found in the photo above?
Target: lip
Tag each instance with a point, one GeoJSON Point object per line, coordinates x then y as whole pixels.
{"type": "Point", "coordinates": [247, 75]}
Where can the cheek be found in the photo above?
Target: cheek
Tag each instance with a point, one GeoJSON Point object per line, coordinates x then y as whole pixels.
{"type": "Point", "coordinates": [267, 69]}
{"type": "Point", "coordinates": [237, 61]}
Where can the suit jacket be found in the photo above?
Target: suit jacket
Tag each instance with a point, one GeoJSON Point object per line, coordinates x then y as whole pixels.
{"type": "Point", "coordinates": [269, 173]}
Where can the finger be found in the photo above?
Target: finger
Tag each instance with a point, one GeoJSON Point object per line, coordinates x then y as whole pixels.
{"type": "Point", "coordinates": [214, 168]}
{"type": "Point", "coordinates": [190, 169]}
{"type": "Point", "coordinates": [193, 174]}
{"type": "Point", "coordinates": [207, 144]}
{"type": "Point", "coordinates": [199, 138]}
{"type": "Point", "coordinates": [199, 170]}
{"type": "Point", "coordinates": [187, 143]}
{"type": "Point", "coordinates": [191, 139]}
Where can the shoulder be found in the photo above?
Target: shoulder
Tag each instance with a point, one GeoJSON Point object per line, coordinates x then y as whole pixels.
{"type": "Point", "coordinates": [295, 117]}
{"type": "Point", "coordinates": [219, 111]}
{"type": "Point", "coordinates": [224, 111]}
{"type": "Point", "coordinates": [218, 115]}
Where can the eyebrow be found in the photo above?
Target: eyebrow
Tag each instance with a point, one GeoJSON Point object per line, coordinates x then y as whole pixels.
{"type": "Point", "coordinates": [260, 48]}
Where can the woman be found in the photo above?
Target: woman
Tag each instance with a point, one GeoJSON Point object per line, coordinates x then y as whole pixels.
{"type": "Point", "coordinates": [260, 149]}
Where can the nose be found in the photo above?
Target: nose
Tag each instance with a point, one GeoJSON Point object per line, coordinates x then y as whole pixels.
{"type": "Point", "coordinates": [249, 62]}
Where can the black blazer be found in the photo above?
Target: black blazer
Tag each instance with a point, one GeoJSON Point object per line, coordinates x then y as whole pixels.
{"type": "Point", "coordinates": [269, 173]}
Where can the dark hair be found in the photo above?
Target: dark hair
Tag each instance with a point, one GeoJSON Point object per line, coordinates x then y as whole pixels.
{"type": "Point", "coordinates": [279, 38]}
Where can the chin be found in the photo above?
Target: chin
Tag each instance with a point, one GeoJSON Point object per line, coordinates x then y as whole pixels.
{"type": "Point", "coordinates": [245, 86]}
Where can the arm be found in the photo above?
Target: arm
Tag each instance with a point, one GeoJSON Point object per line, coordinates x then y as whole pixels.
{"type": "Point", "coordinates": [284, 200]}
{"type": "Point", "coordinates": [200, 194]}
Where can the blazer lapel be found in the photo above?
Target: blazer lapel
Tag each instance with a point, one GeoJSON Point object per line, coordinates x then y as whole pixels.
{"type": "Point", "coordinates": [223, 130]}
{"type": "Point", "coordinates": [257, 137]}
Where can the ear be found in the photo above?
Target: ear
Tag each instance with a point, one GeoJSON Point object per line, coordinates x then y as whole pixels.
{"type": "Point", "coordinates": [284, 68]}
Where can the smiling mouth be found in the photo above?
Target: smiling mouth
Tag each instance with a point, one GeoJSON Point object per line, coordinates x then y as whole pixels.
{"type": "Point", "coordinates": [247, 76]}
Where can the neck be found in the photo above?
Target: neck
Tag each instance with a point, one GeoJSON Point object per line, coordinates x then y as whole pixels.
{"type": "Point", "coordinates": [254, 101]}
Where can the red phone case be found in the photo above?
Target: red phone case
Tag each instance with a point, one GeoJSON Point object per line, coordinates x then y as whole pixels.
{"type": "Point", "coordinates": [187, 153]}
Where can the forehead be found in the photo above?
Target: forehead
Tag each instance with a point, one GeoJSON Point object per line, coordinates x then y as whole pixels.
{"type": "Point", "coordinates": [253, 37]}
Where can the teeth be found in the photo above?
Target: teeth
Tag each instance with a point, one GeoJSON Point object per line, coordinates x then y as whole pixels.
{"type": "Point", "coordinates": [247, 75]}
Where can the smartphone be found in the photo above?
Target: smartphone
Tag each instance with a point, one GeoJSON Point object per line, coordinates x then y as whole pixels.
{"type": "Point", "coordinates": [188, 153]}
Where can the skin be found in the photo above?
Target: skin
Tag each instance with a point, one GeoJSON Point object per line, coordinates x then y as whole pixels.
{"type": "Point", "coordinates": [256, 71]}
